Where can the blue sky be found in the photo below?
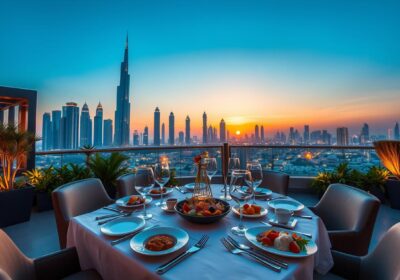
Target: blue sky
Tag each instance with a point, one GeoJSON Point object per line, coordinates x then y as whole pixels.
{"type": "Point", "coordinates": [279, 63]}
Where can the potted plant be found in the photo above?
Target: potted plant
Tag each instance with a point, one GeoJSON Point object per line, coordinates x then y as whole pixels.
{"type": "Point", "coordinates": [374, 182]}
{"type": "Point", "coordinates": [389, 153]}
{"type": "Point", "coordinates": [15, 198]}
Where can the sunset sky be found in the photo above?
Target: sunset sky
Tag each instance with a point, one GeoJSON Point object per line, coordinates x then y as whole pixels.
{"type": "Point", "coordinates": [275, 63]}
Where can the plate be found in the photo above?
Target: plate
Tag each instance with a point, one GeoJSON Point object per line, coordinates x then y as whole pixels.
{"type": "Point", "coordinates": [167, 192]}
{"type": "Point", "coordinates": [122, 226]}
{"type": "Point", "coordinates": [189, 186]}
{"type": "Point", "coordinates": [251, 236]}
{"type": "Point", "coordinates": [137, 242]}
{"type": "Point", "coordinates": [263, 212]}
{"type": "Point", "coordinates": [288, 204]}
{"type": "Point", "coordinates": [123, 200]}
{"type": "Point", "coordinates": [203, 219]}
{"type": "Point", "coordinates": [261, 192]}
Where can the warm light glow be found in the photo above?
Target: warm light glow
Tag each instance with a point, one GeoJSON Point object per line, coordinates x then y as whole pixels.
{"type": "Point", "coordinates": [308, 155]}
{"type": "Point", "coordinates": [237, 132]}
{"type": "Point", "coordinates": [389, 153]}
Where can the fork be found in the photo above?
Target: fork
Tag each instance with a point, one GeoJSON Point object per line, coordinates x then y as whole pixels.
{"type": "Point", "coordinates": [179, 189]}
{"type": "Point", "coordinates": [114, 209]}
{"type": "Point", "coordinates": [252, 251]}
{"type": "Point", "coordinates": [114, 218]}
{"type": "Point", "coordinates": [196, 247]}
{"type": "Point", "coordinates": [237, 251]}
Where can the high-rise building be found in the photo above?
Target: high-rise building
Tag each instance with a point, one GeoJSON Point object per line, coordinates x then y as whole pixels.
{"type": "Point", "coordinates": [204, 128]}
{"type": "Point", "coordinates": [390, 135]}
{"type": "Point", "coordinates": [262, 134]}
{"type": "Point", "coordinates": [181, 137]}
{"type": "Point", "coordinates": [46, 132]}
{"type": "Point", "coordinates": [326, 137]}
{"type": "Point", "coordinates": [222, 131]}
{"type": "Point", "coordinates": [163, 133]}
{"type": "Point", "coordinates": [108, 129]}
{"type": "Point", "coordinates": [210, 134]}
{"type": "Point", "coordinates": [396, 132]}
{"type": "Point", "coordinates": [70, 125]}
{"type": "Point", "coordinates": [291, 136]}
{"type": "Point", "coordinates": [364, 135]}
{"type": "Point", "coordinates": [85, 127]}
{"type": "Point", "coordinates": [146, 136]}
{"type": "Point", "coordinates": [171, 131]}
{"type": "Point", "coordinates": [98, 126]}
{"type": "Point", "coordinates": [187, 130]}
{"type": "Point", "coordinates": [156, 131]}
{"type": "Point", "coordinates": [135, 138]}
{"type": "Point", "coordinates": [342, 136]}
{"type": "Point", "coordinates": [257, 134]}
{"type": "Point", "coordinates": [306, 135]}
{"type": "Point", "coordinates": [215, 135]}
{"type": "Point", "coordinates": [123, 110]}
{"type": "Point", "coordinates": [56, 129]}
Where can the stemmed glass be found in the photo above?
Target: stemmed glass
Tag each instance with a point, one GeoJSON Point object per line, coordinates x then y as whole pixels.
{"type": "Point", "coordinates": [146, 184]}
{"type": "Point", "coordinates": [161, 175]}
{"type": "Point", "coordinates": [233, 164]}
{"type": "Point", "coordinates": [211, 168]}
{"type": "Point", "coordinates": [256, 176]}
{"type": "Point", "coordinates": [241, 190]}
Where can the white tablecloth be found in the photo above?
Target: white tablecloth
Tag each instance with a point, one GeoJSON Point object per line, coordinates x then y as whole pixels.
{"type": "Point", "coordinates": [212, 262]}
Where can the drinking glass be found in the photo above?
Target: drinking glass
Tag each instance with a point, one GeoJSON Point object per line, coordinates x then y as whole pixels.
{"type": "Point", "coordinates": [211, 168]}
{"type": "Point", "coordinates": [256, 176]}
{"type": "Point", "coordinates": [241, 190]}
{"type": "Point", "coordinates": [146, 184]}
{"type": "Point", "coordinates": [233, 164]}
{"type": "Point", "coordinates": [161, 175]}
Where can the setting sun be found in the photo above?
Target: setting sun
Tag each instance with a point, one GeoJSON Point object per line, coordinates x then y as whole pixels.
{"type": "Point", "coordinates": [237, 132]}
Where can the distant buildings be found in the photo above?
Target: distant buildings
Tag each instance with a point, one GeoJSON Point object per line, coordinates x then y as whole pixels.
{"type": "Point", "coordinates": [181, 137]}
{"type": "Point", "coordinates": [146, 136]}
{"type": "Point", "coordinates": [136, 138]}
{"type": "Point", "coordinates": [163, 134]}
{"type": "Point", "coordinates": [306, 134]}
{"type": "Point", "coordinates": [70, 126]}
{"type": "Point", "coordinates": [396, 132]}
{"type": "Point", "coordinates": [257, 134]}
{"type": "Point", "coordinates": [262, 134]}
{"type": "Point", "coordinates": [108, 130]}
{"type": "Point", "coordinates": [210, 134]}
{"type": "Point", "coordinates": [204, 128]}
{"type": "Point", "coordinates": [222, 131]}
{"type": "Point", "coordinates": [187, 130]}
{"type": "Point", "coordinates": [342, 136]}
{"type": "Point", "coordinates": [85, 127]}
{"type": "Point", "coordinates": [56, 130]}
{"type": "Point", "coordinates": [171, 131]}
{"type": "Point", "coordinates": [98, 126]}
{"type": "Point", "coordinates": [364, 135]}
{"type": "Point", "coordinates": [46, 132]}
{"type": "Point", "coordinates": [156, 130]}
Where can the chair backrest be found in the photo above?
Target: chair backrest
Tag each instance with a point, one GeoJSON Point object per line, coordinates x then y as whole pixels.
{"type": "Point", "coordinates": [76, 198]}
{"type": "Point", "coordinates": [384, 262]}
{"type": "Point", "coordinates": [276, 181]}
{"type": "Point", "coordinates": [126, 185]}
{"type": "Point", "coordinates": [13, 263]}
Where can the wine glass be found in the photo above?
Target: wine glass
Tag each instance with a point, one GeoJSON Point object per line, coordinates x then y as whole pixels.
{"type": "Point", "coordinates": [161, 175]}
{"type": "Point", "coordinates": [241, 190]}
{"type": "Point", "coordinates": [146, 176]}
{"type": "Point", "coordinates": [211, 168]}
{"type": "Point", "coordinates": [233, 164]}
{"type": "Point", "coordinates": [256, 176]}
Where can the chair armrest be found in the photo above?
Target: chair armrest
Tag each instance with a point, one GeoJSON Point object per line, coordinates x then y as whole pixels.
{"type": "Point", "coordinates": [343, 240]}
{"type": "Point", "coordinates": [57, 265]}
{"type": "Point", "coordinates": [346, 265]}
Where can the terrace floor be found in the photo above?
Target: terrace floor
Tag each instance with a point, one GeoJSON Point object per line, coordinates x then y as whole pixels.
{"type": "Point", "coordinates": [39, 236]}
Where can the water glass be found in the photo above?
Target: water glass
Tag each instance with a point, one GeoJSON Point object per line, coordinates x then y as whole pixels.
{"type": "Point", "coordinates": [211, 167]}
{"type": "Point", "coordinates": [233, 164]}
{"type": "Point", "coordinates": [256, 176]}
{"type": "Point", "coordinates": [146, 184]}
{"type": "Point", "coordinates": [161, 176]}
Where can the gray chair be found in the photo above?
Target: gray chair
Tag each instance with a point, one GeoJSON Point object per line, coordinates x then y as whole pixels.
{"type": "Point", "coordinates": [382, 263]}
{"type": "Point", "coordinates": [126, 185]}
{"type": "Point", "coordinates": [349, 215]}
{"type": "Point", "coordinates": [62, 264]}
{"type": "Point", "coordinates": [276, 181]}
{"type": "Point", "coordinates": [77, 198]}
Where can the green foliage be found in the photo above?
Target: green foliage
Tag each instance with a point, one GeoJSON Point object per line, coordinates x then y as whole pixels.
{"type": "Point", "coordinates": [172, 178]}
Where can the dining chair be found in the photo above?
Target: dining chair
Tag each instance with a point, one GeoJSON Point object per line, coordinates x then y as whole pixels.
{"type": "Point", "coordinates": [126, 184]}
{"type": "Point", "coordinates": [349, 215]}
{"type": "Point", "coordinates": [276, 181]}
{"type": "Point", "coordinates": [382, 263]}
{"type": "Point", "coordinates": [77, 198]}
{"type": "Point", "coordinates": [15, 265]}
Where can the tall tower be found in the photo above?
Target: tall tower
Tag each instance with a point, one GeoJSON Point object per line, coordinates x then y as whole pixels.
{"type": "Point", "coordinates": [364, 136]}
{"type": "Point", "coordinates": [171, 139]}
{"type": "Point", "coordinates": [262, 134]}
{"type": "Point", "coordinates": [163, 133]}
{"type": "Point", "coordinates": [306, 135]}
{"type": "Point", "coordinates": [156, 136]}
{"type": "Point", "coordinates": [204, 128]}
{"type": "Point", "coordinates": [86, 127]}
{"type": "Point", "coordinates": [70, 125]}
{"type": "Point", "coordinates": [187, 130]}
{"type": "Point", "coordinates": [342, 136]}
{"type": "Point", "coordinates": [123, 110]}
{"type": "Point", "coordinates": [257, 134]}
{"type": "Point", "coordinates": [135, 138]}
{"type": "Point", "coordinates": [146, 136]}
{"type": "Point", "coordinates": [107, 140]}
{"type": "Point", "coordinates": [56, 129]}
{"type": "Point", "coordinates": [46, 132]}
{"type": "Point", "coordinates": [222, 131]}
{"type": "Point", "coordinates": [396, 132]}
{"type": "Point", "coordinates": [98, 126]}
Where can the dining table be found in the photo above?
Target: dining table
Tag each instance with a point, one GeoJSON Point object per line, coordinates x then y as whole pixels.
{"type": "Point", "coordinates": [213, 261]}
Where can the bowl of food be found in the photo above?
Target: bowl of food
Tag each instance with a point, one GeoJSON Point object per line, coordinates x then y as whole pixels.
{"type": "Point", "coordinates": [202, 210]}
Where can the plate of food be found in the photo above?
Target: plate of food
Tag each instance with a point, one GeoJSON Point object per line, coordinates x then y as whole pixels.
{"type": "Point", "coordinates": [132, 201]}
{"type": "Point", "coordinates": [281, 242]}
{"type": "Point", "coordinates": [156, 192]}
{"type": "Point", "coordinates": [202, 210]}
{"type": "Point", "coordinates": [288, 204]}
{"type": "Point", "coordinates": [251, 211]}
{"type": "Point", "coordinates": [122, 226]}
{"type": "Point", "coordinates": [261, 192]}
{"type": "Point", "coordinates": [159, 241]}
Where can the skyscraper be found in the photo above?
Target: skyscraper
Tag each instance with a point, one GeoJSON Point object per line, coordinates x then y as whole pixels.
{"type": "Point", "coordinates": [187, 130]}
{"type": "Point", "coordinates": [326, 137]}
{"type": "Point", "coordinates": [56, 129]}
{"type": "Point", "coordinates": [342, 135]}
{"type": "Point", "coordinates": [70, 125]}
{"type": "Point", "coordinates": [85, 127]}
{"type": "Point", "coordinates": [123, 110]}
{"type": "Point", "coordinates": [364, 135]}
{"type": "Point", "coordinates": [262, 134]}
{"type": "Point", "coordinates": [222, 131]}
{"type": "Point", "coordinates": [291, 136]}
{"type": "Point", "coordinates": [215, 134]}
{"type": "Point", "coordinates": [204, 128]}
{"type": "Point", "coordinates": [46, 132]}
{"type": "Point", "coordinates": [306, 135]}
{"type": "Point", "coordinates": [98, 126]}
{"type": "Point", "coordinates": [107, 140]}
{"type": "Point", "coordinates": [390, 134]}
{"type": "Point", "coordinates": [156, 131]}
{"type": "Point", "coordinates": [146, 136]}
{"type": "Point", "coordinates": [181, 137]}
{"type": "Point", "coordinates": [210, 135]}
{"type": "Point", "coordinates": [396, 132]}
{"type": "Point", "coordinates": [135, 138]}
{"type": "Point", "coordinates": [163, 134]}
{"type": "Point", "coordinates": [171, 139]}
{"type": "Point", "coordinates": [257, 134]}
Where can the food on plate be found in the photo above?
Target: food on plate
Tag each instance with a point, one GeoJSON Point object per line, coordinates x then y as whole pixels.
{"type": "Point", "coordinates": [160, 242]}
{"type": "Point", "coordinates": [135, 200]}
{"type": "Point", "coordinates": [158, 191]}
{"type": "Point", "coordinates": [251, 209]}
{"type": "Point", "coordinates": [203, 207]}
{"type": "Point", "coordinates": [283, 241]}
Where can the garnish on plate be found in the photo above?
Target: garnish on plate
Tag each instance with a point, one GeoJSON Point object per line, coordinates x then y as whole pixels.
{"type": "Point", "coordinates": [251, 209]}
{"type": "Point", "coordinates": [202, 207]}
{"type": "Point", "coordinates": [283, 241]}
{"type": "Point", "coordinates": [135, 200]}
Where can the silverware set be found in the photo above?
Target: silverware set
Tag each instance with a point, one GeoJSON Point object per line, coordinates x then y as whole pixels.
{"type": "Point", "coordinates": [126, 237]}
{"type": "Point", "coordinates": [114, 218]}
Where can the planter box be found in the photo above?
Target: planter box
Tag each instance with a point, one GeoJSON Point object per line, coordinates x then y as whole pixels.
{"type": "Point", "coordinates": [393, 191]}
{"type": "Point", "coordinates": [16, 206]}
{"type": "Point", "coordinates": [43, 201]}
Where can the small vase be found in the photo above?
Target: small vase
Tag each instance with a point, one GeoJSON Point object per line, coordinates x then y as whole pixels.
{"type": "Point", "coordinates": [202, 186]}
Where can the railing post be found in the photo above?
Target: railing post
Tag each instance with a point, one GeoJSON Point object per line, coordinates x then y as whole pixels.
{"type": "Point", "coordinates": [226, 153]}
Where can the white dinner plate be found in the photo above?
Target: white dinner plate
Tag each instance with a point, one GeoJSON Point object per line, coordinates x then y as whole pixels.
{"type": "Point", "coordinates": [189, 186]}
{"type": "Point", "coordinates": [251, 236]}
{"type": "Point", "coordinates": [261, 192]}
{"type": "Point", "coordinates": [263, 212]}
{"type": "Point", "coordinates": [123, 202]}
{"type": "Point", "coordinates": [167, 192]}
{"type": "Point", "coordinates": [122, 226]}
{"type": "Point", "coordinates": [288, 204]}
{"type": "Point", "coordinates": [138, 241]}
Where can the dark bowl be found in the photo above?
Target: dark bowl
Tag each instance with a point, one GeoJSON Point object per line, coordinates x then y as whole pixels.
{"type": "Point", "coordinates": [202, 219]}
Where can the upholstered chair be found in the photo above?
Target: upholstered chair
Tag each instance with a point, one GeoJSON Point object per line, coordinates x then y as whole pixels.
{"type": "Point", "coordinates": [77, 198]}
{"type": "Point", "coordinates": [126, 184]}
{"type": "Point", "coordinates": [276, 181]}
